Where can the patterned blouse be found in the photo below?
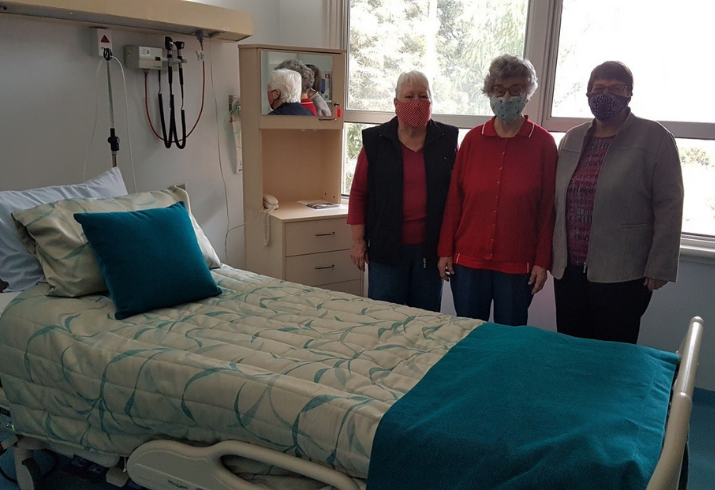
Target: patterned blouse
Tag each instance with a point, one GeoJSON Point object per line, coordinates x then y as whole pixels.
{"type": "Point", "coordinates": [580, 198]}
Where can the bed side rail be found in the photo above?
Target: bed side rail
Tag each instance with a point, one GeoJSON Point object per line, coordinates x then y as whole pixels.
{"type": "Point", "coordinates": [667, 472]}
{"type": "Point", "coordinates": [167, 465]}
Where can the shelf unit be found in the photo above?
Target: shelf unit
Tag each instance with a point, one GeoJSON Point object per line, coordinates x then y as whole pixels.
{"type": "Point", "coordinates": [294, 158]}
{"type": "Point", "coordinates": [172, 16]}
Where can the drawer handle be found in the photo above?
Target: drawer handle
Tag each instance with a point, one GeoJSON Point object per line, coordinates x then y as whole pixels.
{"type": "Point", "coordinates": [325, 234]}
{"type": "Point", "coordinates": [324, 267]}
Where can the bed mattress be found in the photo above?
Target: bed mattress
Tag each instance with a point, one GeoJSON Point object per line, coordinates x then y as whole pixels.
{"type": "Point", "coordinates": [266, 362]}
{"type": "Point", "coordinates": [5, 299]}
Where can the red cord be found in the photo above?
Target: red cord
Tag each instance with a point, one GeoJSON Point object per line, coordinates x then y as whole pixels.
{"type": "Point", "coordinates": [203, 96]}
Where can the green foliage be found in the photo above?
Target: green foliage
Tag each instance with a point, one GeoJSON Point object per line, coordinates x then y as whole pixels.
{"type": "Point", "coordinates": [695, 156]}
{"type": "Point", "coordinates": [451, 41]}
{"type": "Point", "coordinates": [353, 147]}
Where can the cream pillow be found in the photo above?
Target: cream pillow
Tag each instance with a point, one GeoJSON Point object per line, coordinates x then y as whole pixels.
{"type": "Point", "coordinates": [51, 233]}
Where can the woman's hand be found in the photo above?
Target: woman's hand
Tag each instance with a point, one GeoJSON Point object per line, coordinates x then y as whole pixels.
{"type": "Point", "coordinates": [538, 278]}
{"type": "Point", "coordinates": [358, 254]}
{"type": "Point", "coordinates": [445, 267]}
{"type": "Point", "coordinates": [653, 284]}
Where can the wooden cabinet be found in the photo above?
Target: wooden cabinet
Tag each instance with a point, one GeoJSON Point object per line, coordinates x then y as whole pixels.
{"type": "Point", "coordinates": [295, 158]}
{"type": "Point", "coordinates": [306, 246]}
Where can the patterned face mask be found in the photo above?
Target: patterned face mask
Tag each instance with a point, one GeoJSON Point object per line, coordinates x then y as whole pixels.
{"type": "Point", "coordinates": [606, 106]}
{"type": "Point", "coordinates": [508, 110]}
{"type": "Point", "coordinates": [414, 113]}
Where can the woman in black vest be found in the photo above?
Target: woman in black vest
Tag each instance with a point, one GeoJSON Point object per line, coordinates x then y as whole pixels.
{"type": "Point", "coordinates": [397, 198]}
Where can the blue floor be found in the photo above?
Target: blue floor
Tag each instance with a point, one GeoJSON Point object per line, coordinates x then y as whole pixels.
{"type": "Point", "coordinates": [701, 476]}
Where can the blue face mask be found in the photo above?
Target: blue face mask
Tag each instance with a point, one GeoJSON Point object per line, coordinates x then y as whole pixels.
{"type": "Point", "coordinates": [606, 106]}
{"type": "Point", "coordinates": [508, 110]}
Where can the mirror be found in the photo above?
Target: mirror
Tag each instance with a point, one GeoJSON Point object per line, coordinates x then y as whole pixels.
{"type": "Point", "coordinates": [271, 59]}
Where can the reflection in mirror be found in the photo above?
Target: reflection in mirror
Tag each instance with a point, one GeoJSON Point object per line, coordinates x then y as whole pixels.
{"type": "Point", "coordinates": [316, 91]}
{"type": "Point", "coordinates": [284, 93]}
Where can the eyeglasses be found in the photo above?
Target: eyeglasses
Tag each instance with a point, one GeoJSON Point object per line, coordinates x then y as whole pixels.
{"type": "Point", "coordinates": [514, 90]}
{"type": "Point", "coordinates": [616, 89]}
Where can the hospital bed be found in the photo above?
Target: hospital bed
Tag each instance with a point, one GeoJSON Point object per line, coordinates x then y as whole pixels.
{"type": "Point", "coordinates": [166, 454]}
{"type": "Point", "coordinates": [272, 384]}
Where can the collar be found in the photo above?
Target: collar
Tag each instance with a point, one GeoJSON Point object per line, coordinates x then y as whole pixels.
{"type": "Point", "coordinates": [629, 119]}
{"type": "Point", "coordinates": [389, 130]}
{"type": "Point", "coordinates": [527, 129]}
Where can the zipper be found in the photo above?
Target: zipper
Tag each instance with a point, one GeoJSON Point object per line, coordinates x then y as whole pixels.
{"type": "Point", "coordinates": [424, 263]}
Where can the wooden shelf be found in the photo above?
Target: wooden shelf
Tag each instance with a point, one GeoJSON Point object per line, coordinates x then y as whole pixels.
{"type": "Point", "coordinates": [170, 16]}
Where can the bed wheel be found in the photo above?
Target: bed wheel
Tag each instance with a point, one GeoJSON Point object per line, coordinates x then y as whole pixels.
{"type": "Point", "coordinates": [28, 475]}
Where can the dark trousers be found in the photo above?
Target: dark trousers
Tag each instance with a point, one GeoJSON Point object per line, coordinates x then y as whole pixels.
{"type": "Point", "coordinates": [601, 311]}
{"type": "Point", "coordinates": [415, 283]}
{"type": "Point", "coordinates": [474, 290]}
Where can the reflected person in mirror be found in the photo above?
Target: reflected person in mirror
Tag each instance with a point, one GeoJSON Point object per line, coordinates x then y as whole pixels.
{"type": "Point", "coordinates": [314, 93]}
{"type": "Point", "coordinates": [619, 207]}
{"type": "Point", "coordinates": [283, 93]}
{"type": "Point", "coordinates": [306, 77]}
{"type": "Point", "coordinates": [397, 198]}
{"type": "Point", "coordinates": [495, 245]}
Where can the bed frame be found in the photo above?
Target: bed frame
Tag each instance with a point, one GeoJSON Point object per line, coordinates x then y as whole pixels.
{"type": "Point", "coordinates": [167, 465]}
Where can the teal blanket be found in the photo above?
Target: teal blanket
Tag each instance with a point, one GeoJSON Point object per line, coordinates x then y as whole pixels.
{"type": "Point", "coordinates": [524, 408]}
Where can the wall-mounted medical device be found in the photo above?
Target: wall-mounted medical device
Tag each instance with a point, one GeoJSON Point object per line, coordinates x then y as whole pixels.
{"type": "Point", "coordinates": [144, 57]}
{"type": "Point", "coordinates": [148, 58]}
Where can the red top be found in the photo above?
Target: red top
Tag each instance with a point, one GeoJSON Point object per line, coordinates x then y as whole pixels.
{"type": "Point", "coordinates": [308, 104]}
{"type": "Point", "coordinates": [414, 195]}
{"type": "Point", "coordinates": [500, 209]}
{"type": "Point", "coordinates": [580, 197]}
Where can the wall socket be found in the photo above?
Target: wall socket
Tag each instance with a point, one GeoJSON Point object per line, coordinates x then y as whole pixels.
{"type": "Point", "coordinates": [100, 39]}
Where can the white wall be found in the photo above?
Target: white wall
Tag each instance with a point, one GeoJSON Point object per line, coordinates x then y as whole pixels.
{"type": "Point", "coordinates": [48, 91]}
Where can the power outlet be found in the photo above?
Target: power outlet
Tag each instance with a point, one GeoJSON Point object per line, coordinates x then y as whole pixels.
{"type": "Point", "coordinates": [100, 40]}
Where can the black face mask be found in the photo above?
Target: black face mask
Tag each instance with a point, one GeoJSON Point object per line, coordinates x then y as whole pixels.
{"type": "Point", "coordinates": [606, 106]}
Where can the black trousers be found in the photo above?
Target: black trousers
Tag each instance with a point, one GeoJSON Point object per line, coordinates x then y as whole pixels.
{"type": "Point", "coordinates": [601, 311]}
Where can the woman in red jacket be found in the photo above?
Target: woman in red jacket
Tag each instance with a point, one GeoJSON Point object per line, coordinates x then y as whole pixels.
{"type": "Point", "coordinates": [495, 243]}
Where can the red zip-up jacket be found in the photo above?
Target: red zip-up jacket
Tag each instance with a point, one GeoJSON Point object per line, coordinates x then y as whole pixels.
{"type": "Point", "coordinates": [500, 209]}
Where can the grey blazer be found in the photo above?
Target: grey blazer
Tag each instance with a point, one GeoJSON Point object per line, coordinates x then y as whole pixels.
{"type": "Point", "coordinates": [638, 208]}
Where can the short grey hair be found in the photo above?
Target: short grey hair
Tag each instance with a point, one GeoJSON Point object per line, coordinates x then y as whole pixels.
{"type": "Point", "coordinates": [306, 74]}
{"type": "Point", "coordinates": [508, 66]}
{"type": "Point", "coordinates": [288, 82]}
{"type": "Point", "coordinates": [412, 77]}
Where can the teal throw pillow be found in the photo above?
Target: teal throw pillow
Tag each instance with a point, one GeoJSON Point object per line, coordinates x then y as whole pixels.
{"type": "Point", "coordinates": [149, 258]}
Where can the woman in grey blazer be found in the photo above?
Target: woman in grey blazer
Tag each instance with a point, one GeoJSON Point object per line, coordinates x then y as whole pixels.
{"type": "Point", "coordinates": [619, 206]}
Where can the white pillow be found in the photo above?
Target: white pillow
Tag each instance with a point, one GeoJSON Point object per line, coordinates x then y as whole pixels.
{"type": "Point", "coordinates": [18, 267]}
{"type": "Point", "coordinates": [51, 233]}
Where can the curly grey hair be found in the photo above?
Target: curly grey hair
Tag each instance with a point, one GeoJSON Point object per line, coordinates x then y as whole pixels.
{"type": "Point", "coordinates": [412, 77]}
{"type": "Point", "coordinates": [508, 66]}
{"type": "Point", "coordinates": [306, 74]}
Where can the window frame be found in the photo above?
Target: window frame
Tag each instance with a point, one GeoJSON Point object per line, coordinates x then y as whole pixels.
{"type": "Point", "coordinates": [541, 47]}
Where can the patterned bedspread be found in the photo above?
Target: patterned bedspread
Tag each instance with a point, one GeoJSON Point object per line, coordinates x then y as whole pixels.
{"type": "Point", "coordinates": [299, 369]}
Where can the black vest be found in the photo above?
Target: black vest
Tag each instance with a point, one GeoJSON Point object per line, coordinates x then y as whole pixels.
{"type": "Point", "coordinates": [383, 223]}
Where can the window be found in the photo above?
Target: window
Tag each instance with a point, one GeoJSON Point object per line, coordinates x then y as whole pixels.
{"type": "Point", "coordinates": [450, 41]}
{"type": "Point", "coordinates": [665, 47]}
{"type": "Point", "coordinates": [353, 145]}
{"type": "Point", "coordinates": [453, 42]}
{"type": "Point", "coordinates": [697, 158]}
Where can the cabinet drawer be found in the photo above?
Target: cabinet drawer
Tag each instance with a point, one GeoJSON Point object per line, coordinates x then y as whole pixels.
{"type": "Point", "coordinates": [322, 268]}
{"type": "Point", "coordinates": [322, 235]}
